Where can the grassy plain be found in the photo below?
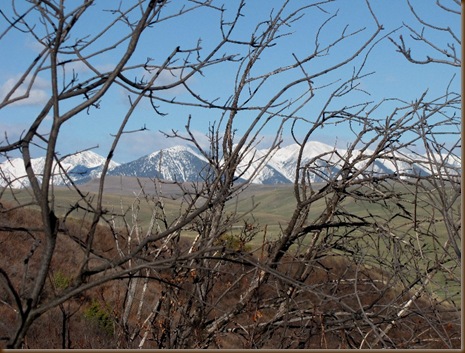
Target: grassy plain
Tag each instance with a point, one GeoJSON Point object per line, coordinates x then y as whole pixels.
{"type": "Point", "coordinates": [264, 205]}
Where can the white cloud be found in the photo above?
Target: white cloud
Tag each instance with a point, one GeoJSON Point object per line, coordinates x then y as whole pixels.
{"type": "Point", "coordinates": [38, 94]}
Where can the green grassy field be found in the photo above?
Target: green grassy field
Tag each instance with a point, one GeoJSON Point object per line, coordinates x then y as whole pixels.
{"type": "Point", "coordinates": [269, 207]}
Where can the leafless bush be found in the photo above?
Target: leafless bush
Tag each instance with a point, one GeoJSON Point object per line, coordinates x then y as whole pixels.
{"type": "Point", "coordinates": [368, 276]}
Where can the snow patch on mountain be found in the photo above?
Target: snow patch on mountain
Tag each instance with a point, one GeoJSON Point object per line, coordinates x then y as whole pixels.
{"type": "Point", "coordinates": [80, 167]}
{"type": "Point", "coordinates": [319, 161]}
{"type": "Point", "coordinates": [320, 156]}
{"type": "Point", "coordinates": [257, 167]}
{"type": "Point", "coordinates": [178, 163]}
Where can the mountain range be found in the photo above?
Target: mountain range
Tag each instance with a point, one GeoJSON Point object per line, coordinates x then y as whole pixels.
{"type": "Point", "coordinates": [184, 164]}
{"type": "Point", "coordinates": [79, 167]}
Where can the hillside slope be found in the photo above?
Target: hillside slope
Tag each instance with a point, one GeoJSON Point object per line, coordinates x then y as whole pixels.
{"type": "Point", "coordinates": [325, 300]}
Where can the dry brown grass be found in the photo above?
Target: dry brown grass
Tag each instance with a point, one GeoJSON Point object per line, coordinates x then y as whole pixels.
{"type": "Point", "coordinates": [333, 284]}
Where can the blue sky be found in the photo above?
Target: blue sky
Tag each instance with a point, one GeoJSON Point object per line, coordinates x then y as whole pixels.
{"type": "Point", "coordinates": [392, 75]}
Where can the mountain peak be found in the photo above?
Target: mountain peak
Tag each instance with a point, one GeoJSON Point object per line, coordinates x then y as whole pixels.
{"type": "Point", "coordinates": [183, 163]}
{"type": "Point", "coordinates": [176, 163]}
{"type": "Point", "coordinates": [85, 158]}
{"type": "Point", "coordinates": [80, 167]}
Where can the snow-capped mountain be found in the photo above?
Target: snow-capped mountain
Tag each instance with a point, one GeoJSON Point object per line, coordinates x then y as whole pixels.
{"type": "Point", "coordinates": [325, 161]}
{"type": "Point", "coordinates": [80, 167]}
{"type": "Point", "coordinates": [181, 163]}
{"type": "Point", "coordinates": [257, 166]}
{"type": "Point", "coordinates": [178, 163]}
{"type": "Point", "coordinates": [317, 154]}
